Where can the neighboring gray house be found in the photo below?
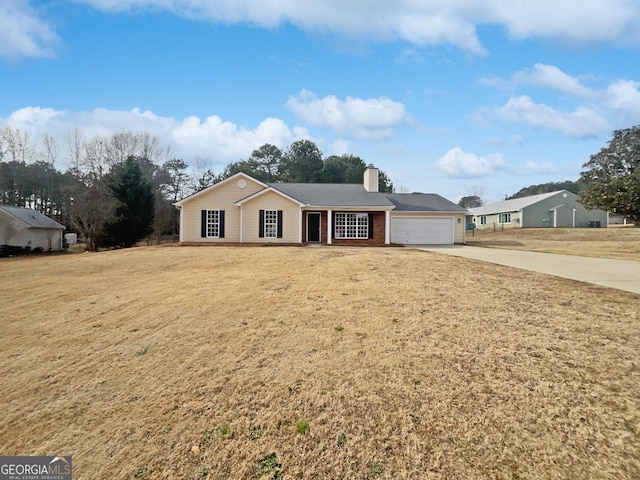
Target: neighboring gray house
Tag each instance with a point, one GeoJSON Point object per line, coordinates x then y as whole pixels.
{"type": "Point", "coordinates": [555, 210]}
{"type": "Point", "coordinates": [24, 227]}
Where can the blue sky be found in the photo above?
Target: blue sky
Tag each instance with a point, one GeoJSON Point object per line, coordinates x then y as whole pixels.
{"type": "Point", "coordinates": [456, 97]}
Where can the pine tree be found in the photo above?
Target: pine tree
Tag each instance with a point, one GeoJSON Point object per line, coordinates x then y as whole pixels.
{"type": "Point", "coordinates": [135, 210]}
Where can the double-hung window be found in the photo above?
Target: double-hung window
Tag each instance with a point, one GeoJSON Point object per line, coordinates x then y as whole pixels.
{"type": "Point", "coordinates": [483, 219]}
{"type": "Point", "coordinates": [352, 225]}
{"type": "Point", "coordinates": [504, 218]}
{"type": "Point", "coordinates": [212, 224]}
{"type": "Point", "coordinates": [270, 223]}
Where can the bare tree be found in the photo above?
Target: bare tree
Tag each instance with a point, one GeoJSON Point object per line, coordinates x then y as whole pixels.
{"type": "Point", "coordinates": [16, 146]}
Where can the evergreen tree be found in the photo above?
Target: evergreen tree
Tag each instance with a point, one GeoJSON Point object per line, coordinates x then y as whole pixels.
{"type": "Point", "coordinates": [135, 210]}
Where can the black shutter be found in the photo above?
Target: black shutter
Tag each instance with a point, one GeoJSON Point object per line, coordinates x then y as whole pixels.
{"type": "Point", "coordinates": [261, 225]}
{"type": "Point", "coordinates": [221, 224]}
{"type": "Point", "coordinates": [371, 225]}
{"type": "Point", "coordinates": [279, 224]}
{"type": "Point", "coordinates": [203, 224]}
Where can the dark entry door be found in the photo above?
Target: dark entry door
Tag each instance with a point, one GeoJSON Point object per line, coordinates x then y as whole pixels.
{"type": "Point", "coordinates": [313, 227]}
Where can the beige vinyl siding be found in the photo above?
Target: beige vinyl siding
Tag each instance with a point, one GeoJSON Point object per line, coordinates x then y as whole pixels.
{"type": "Point", "coordinates": [493, 220]}
{"type": "Point", "coordinates": [222, 197]}
{"type": "Point", "coordinates": [291, 227]}
{"type": "Point", "coordinates": [459, 231]}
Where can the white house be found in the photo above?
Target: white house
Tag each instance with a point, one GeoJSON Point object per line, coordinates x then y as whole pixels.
{"type": "Point", "coordinates": [24, 227]}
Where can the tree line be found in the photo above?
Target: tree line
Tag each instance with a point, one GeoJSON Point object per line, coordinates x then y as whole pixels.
{"type": "Point", "coordinates": [119, 189]}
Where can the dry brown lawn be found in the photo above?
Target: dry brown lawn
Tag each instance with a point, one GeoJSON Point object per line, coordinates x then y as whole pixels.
{"type": "Point", "coordinates": [614, 242]}
{"type": "Point", "coordinates": [196, 362]}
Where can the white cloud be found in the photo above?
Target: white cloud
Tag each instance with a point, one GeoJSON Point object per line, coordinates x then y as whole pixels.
{"type": "Point", "coordinates": [222, 141]}
{"type": "Point", "coordinates": [451, 22]}
{"type": "Point", "coordinates": [519, 140]}
{"type": "Point", "coordinates": [581, 123]}
{"type": "Point", "coordinates": [370, 119]}
{"type": "Point", "coordinates": [602, 109]}
{"type": "Point", "coordinates": [23, 33]}
{"type": "Point", "coordinates": [542, 167]}
{"type": "Point", "coordinates": [458, 164]}
{"type": "Point", "coordinates": [340, 147]}
{"type": "Point", "coordinates": [550, 76]}
{"type": "Point", "coordinates": [624, 96]}
{"type": "Point", "coordinates": [494, 142]}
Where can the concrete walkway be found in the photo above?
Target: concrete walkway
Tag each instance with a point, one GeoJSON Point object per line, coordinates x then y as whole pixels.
{"type": "Point", "coordinates": [613, 273]}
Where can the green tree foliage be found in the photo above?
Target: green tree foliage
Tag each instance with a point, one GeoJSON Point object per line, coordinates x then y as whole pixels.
{"type": "Point", "coordinates": [471, 201]}
{"type": "Point", "coordinates": [343, 169]}
{"type": "Point", "coordinates": [611, 177]}
{"type": "Point", "coordinates": [302, 163]}
{"type": "Point", "coordinates": [263, 164]}
{"type": "Point", "coordinates": [134, 212]}
{"type": "Point", "coordinates": [568, 185]}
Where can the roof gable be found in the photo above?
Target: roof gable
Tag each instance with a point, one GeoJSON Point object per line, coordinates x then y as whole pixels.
{"type": "Point", "coordinates": [263, 192]}
{"type": "Point", "coordinates": [31, 218]}
{"type": "Point", "coordinates": [238, 176]}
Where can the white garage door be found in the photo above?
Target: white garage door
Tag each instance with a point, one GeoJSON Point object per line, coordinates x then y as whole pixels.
{"type": "Point", "coordinates": [421, 230]}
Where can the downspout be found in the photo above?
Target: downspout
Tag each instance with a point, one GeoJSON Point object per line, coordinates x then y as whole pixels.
{"type": "Point", "coordinates": [241, 225]}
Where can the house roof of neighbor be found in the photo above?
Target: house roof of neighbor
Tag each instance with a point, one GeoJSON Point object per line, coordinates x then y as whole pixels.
{"type": "Point", "coordinates": [31, 217]}
{"type": "Point", "coordinates": [515, 204]}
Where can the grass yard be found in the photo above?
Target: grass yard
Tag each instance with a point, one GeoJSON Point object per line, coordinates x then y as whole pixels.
{"type": "Point", "coordinates": [614, 242]}
{"type": "Point", "coordinates": [315, 363]}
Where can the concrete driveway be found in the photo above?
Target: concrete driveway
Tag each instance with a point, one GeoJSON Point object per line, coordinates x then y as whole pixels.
{"type": "Point", "coordinates": [620, 274]}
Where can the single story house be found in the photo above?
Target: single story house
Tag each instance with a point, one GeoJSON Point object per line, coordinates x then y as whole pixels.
{"type": "Point", "coordinates": [241, 209]}
{"type": "Point", "coordinates": [24, 227]}
{"type": "Point", "coordinates": [561, 209]}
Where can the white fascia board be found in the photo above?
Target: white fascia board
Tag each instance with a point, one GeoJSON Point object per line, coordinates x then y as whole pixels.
{"type": "Point", "coordinates": [342, 208]}
{"type": "Point", "coordinates": [179, 203]}
{"type": "Point", "coordinates": [265, 190]}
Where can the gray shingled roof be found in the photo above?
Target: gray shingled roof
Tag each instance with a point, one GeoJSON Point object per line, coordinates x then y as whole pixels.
{"type": "Point", "coordinates": [512, 205]}
{"type": "Point", "coordinates": [333, 194]}
{"type": "Point", "coordinates": [31, 217]}
{"type": "Point", "coordinates": [422, 202]}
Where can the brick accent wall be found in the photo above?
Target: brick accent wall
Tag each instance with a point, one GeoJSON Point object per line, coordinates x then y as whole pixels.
{"type": "Point", "coordinates": [378, 231]}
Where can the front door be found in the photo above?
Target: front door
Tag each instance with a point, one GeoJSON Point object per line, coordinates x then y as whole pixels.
{"type": "Point", "coordinates": [313, 227]}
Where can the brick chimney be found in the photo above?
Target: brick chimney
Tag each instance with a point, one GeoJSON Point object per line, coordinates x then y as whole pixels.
{"type": "Point", "coordinates": [371, 178]}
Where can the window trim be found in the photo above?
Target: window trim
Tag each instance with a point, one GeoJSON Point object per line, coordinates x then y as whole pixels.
{"type": "Point", "coordinates": [483, 219]}
{"type": "Point", "coordinates": [359, 226]}
{"type": "Point", "coordinates": [270, 220]}
{"type": "Point", "coordinates": [213, 224]}
{"type": "Point", "coordinates": [504, 216]}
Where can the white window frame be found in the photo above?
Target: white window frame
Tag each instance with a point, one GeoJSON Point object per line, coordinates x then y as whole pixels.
{"type": "Point", "coordinates": [504, 218]}
{"type": "Point", "coordinates": [213, 223]}
{"type": "Point", "coordinates": [483, 219]}
{"type": "Point", "coordinates": [351, 225]}
{"type": "Point", "coordinates": [271, 224]}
